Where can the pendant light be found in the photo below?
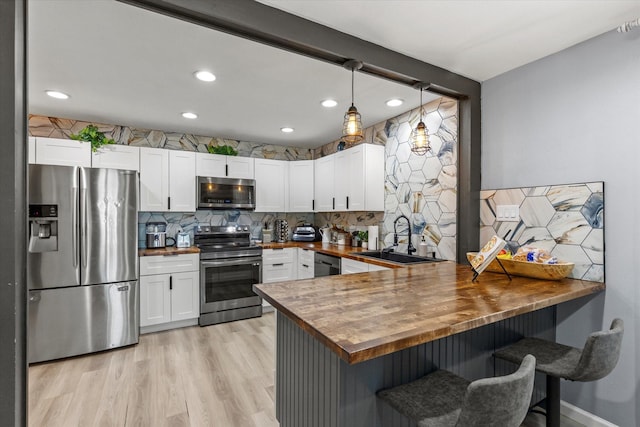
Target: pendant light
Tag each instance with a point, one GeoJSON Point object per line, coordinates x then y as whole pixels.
{"type": "Point", "coordinates": [352, 132]}
{"type": "Point", "coordinates": [420, 135]}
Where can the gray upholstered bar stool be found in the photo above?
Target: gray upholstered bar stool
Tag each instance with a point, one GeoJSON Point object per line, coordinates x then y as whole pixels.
{"type": "Point", "coordinates": [442, 399]}
{"type": "Point", "coordinates": [595, 361]}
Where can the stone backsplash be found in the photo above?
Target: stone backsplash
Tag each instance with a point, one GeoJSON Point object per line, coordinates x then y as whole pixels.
{"type": "Point", "coordinates": [566, 220]}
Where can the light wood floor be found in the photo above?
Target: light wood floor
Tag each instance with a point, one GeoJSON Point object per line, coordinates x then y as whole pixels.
{"type": "Point", "coordinates": [221, 375]}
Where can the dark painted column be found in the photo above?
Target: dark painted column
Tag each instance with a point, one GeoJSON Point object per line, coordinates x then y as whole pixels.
{"type": "Point", "coordinates": [264, 24]}
{"type": "Point", "coordinates": [13, 294]}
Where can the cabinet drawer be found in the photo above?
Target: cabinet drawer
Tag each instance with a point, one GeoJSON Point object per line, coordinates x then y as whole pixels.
{"type": "Point", "coordinates": [349, 266]}
{"type": "Point", "coordinates": [275, 256]}
{"type": "Point", "coordinates": [305, 255]}
{"type": "Point", "coordinates": [163, 264]}
{"type": "Point", "coordinates": [279, 272]}
{"type": "Point", "coordinates": [305, 270]}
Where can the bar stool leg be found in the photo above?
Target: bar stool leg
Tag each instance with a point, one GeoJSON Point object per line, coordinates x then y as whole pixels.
{"type": "Point", "coordinates": [553, 401]}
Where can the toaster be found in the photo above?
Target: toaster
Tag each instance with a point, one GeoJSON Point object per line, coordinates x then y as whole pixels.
{"type": "Point", "coordinates": [305, 233]}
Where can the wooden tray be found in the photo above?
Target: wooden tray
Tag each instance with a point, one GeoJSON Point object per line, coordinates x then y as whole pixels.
{"type": "Point", "coordinates": [529, 269]}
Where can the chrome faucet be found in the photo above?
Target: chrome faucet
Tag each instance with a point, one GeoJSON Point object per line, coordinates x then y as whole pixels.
{"type": "Point", "coordinates": [410, 248]}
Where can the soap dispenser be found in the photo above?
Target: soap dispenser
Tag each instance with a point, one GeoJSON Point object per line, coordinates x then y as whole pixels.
{"type": "Point", "coordinates": [423, 247]}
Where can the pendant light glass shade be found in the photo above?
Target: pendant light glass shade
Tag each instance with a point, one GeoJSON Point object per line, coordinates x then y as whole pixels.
{"type": "Point", "coordinates": [352, 132]}
{"type": "Point", "coordinates": [419, 139]}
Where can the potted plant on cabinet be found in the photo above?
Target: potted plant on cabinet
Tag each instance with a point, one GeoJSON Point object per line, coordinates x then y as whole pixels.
{"type": "Point", "coordinates": [94, 136]}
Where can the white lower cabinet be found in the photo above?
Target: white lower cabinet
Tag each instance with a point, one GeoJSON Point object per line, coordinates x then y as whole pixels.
{"type": "Point", "coordinates": [278, 265]}
{"type": "Point", "coordinates": [306, 266]}
{"type": "Point", "coordinates": [169, 292]}
{"type": "Point", "coordinates": [350, 266]}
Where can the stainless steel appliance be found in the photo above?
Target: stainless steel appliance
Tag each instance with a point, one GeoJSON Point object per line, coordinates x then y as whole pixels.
{"type": "Point", "coordinates": [281, 230]}
{"type": "Point", "coordinates": [226, 193]}
{"type": "Point", "coordinates": [326, 265]}
{"type": "Point", "coordinates": [156, 234]}
{"type": "Point", "coordinates": [305, 233]}
{"type": "Point", "coordinates": [82, 264]}
{"type": "Point", "coordinates": [229, 267]}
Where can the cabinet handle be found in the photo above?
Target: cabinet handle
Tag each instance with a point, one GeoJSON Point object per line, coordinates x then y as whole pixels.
{"type": "Point", "coordinates": [278, 265]}
{"type": "Point", "coordinates": [305, 265]}
{"type": "Point", "coordinates": [334, 203]}
{"type": "Point", "coordinates": [168, 202]}
{"type": "Point", "coordinates": [313, 204]}
{"type": "Point", "coordinates": [170, 283]}
{"type": "Point", "coordinates": [226, 170]}
{"type": "Point", "coordinates": [347, 202]}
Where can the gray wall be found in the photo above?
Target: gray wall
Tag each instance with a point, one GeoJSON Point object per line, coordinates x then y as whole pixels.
{"type": "Point", "coordinates": [575, 117]}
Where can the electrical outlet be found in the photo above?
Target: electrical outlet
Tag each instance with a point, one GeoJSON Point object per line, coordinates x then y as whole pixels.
{"type": "Point", "coordinates": [508, 213]}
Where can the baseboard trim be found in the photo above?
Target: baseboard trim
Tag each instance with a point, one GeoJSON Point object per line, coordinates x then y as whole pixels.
{"type": "Point", "coordinates": [583, 417]}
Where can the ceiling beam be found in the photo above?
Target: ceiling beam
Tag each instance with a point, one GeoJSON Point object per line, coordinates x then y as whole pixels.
{"type": "Point", "coordinates": [264, 24]}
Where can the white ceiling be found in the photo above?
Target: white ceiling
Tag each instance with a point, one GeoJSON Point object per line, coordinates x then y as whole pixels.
{"type": "Point", "coordinates": [124, 65]}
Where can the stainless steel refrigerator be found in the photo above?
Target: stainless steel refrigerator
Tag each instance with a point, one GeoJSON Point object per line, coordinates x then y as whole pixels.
{"type": "Point", "coordinates": [82, 265]}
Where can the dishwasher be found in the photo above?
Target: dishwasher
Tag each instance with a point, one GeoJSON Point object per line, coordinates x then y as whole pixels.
{"type": "Point", "coordinates": [326, 265]}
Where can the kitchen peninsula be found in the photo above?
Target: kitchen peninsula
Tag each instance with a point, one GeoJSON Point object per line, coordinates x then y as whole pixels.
{"type": "Point", "coordinates": [342, 338]}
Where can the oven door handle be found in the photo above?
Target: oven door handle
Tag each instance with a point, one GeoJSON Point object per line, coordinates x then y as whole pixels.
{"type": "Point", "coordinates": [231, 261]}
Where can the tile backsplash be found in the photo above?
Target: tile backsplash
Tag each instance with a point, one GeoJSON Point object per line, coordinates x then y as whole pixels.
{"type": "Point", "coordinates": [566, 220]}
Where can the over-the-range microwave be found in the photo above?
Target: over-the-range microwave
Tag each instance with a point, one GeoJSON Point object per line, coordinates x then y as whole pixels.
{"type": "Point", "coordinates": [226, 193]}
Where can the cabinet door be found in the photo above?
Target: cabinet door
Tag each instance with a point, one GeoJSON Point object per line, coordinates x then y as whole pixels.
{"type": "Point", "coordinates": [212, 165]}
{"type": "Point", "coordinates": [350, 266]}
{"type": "Point", "coordinates": [323, 184]}
{"type": "Point", "coordinates": [63, 152]}
{"type": "Point", "coordinates": [341, 184]}
{"type": "Point", "coordinates": [155, 300]}
{"type": "Point", "coordinates": [301, 186]}
{"type": "Point", "coordinates": [355, 178]}
{"type": "Point", "coordinates": [182, 181]}
{"type": "Point", "coordinates": [154, 179]}
{"type": "Point", "coordinates": [240, 167]}
{"type": "Point", "coordinates": [32, 150]}
{"type": "Point", "coordinates": [185, 295]}
{"type": "Point", "coordinates": [272, 186]}
{"type": "Point", "coordinates": [116, 157]}
{"type": "Point", "coordinates": [306, 266]}
{"type": "Point", "coordinates": [373, 167]}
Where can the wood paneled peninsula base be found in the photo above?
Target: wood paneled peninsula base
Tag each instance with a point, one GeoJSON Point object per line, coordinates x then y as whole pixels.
{"type": "Point", "coordinates": [342, 338]}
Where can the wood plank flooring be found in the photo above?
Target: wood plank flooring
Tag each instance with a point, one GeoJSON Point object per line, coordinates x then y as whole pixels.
{"type": "Point", "coordinates": [218, 376]}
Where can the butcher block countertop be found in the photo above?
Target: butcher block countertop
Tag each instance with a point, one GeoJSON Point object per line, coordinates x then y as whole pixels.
{"type": "Point", "coordinates": [341, 251]}
{"type": "Point", "coordinates": [169, 250]}
{"type": "Point", "coordinates": [367, 315]}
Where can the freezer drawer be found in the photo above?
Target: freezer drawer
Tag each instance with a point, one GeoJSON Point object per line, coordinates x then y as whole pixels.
{"type": "Point", "coordinates": [72, 321]}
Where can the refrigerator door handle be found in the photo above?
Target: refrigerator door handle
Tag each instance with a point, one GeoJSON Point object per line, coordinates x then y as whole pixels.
{"type": "Point", "coordinates": [83, 218]}
{"type": "Point", "coordinates": [74, 225]}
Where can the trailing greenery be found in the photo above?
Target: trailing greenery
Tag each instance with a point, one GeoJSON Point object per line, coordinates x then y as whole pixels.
{"type": "Point", "coordinates": [227, 150]}
{"type": "Point", "coordinates": [94, 136]}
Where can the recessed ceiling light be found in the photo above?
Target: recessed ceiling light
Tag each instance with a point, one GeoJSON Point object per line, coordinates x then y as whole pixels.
{"type": "Point", "coordinates": [205, 76]}
{"type": "Point", "coordinates": [188, 115]}
{"type": "Point", "coordinates": [286, 130]}
{"type": "Point", "coordinates": [329, 103]}
{"type": "Point", "coordinates": [394, 102]}
{"type": "Point", "coordinates": [56, 94]}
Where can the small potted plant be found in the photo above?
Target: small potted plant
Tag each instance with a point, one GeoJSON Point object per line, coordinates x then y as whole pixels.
{"type": "Point", "coordinates": [364, 238]}
{"type": "Point", "coordinates": [94, 136]}
{"type": "Point", "coordinates": [226, 150]}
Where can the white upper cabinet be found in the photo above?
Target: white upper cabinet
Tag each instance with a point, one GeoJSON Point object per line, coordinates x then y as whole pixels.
{"type": "Point", "coordinates": [154, 179]}
{"type": "Point", "coordinates": [32, 150]}
{"type": "Point", "coordinates": [62, 152]}
{"type": "Point", "coordinates": [272, 185]}
{"type": "Point", "coordinates": [324, 178]}
{"type": "Point", "coordinates": [115, 156]}
{"type": "Point", "coordinates": [167, 180]}
{"type": "Point", "coordinates": [216, 165]}
{"type": "Point", "coordinates": [351, 180]}
{"type": "Point", "coordinates": [301, 186]}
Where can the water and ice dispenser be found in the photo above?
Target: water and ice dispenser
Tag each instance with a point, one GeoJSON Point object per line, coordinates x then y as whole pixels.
{"type": "Point", "coordinates": [43, 228]}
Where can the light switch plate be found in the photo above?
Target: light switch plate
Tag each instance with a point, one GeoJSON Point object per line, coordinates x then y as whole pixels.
{"type": "Point", "coordinates": [507, 213]}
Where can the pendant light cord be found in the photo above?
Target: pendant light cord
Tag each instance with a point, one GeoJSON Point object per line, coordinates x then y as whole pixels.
{"type": "Point", "coordinates": [352, 83]}
{"type": "Point", "coordinates": [421, 104]}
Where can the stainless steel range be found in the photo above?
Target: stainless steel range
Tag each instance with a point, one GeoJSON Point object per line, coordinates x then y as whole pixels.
{"type": "Point", "coordinates": [229, 267]}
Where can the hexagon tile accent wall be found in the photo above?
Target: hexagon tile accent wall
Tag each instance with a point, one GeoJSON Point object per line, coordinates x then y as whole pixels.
{"type": "Point", "coordinates": [567, 220]}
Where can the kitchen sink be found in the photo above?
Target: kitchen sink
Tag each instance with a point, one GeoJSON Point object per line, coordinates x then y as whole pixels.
{"type": "Point", "coordinates": [396, 257]}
